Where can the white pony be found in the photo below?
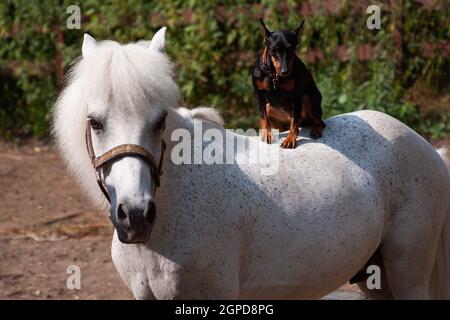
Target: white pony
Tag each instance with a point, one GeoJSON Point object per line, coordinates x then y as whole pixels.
{"type": "Point", "coordinates": [370, 191]}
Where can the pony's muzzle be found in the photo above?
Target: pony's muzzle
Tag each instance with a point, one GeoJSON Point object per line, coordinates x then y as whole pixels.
{"type": "Point", "coordinates": [133, 223]}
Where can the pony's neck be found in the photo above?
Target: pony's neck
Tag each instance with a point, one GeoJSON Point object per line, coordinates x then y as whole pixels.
{"type": "Point", "coordinates": [179, 118]}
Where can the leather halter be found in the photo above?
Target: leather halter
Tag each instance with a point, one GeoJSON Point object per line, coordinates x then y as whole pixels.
{"type": "Point", "coordinates": [272, 76]}
{"type": "Point", "coordinates": [123, 150]}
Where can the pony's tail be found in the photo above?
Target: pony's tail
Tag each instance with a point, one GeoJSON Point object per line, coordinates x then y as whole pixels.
{"type": "Point", "coordinates": [440, 278]}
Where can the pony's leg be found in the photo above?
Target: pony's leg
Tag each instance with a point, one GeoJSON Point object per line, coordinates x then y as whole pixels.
{"type": "Point", "coordinates": [408, 277]}
{"type": "Point", "coordinates": [128, 262]}
{"type": "Point", "coordinates": [384, 293]}
{"type": "Point", "coordinates": [408, 253]}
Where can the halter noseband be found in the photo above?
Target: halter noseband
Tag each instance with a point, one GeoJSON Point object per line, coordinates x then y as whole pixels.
{"type": "Point", "coordinates": [123, 150]}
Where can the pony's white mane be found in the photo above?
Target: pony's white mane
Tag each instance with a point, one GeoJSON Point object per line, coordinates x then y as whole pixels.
{"type": "Point", "coordinates": [130, 75]}
{"type": "Point", "coordinates": [208, 114]}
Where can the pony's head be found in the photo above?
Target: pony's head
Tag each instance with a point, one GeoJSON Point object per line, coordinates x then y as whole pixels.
{"type": "Point", "coordinates": [122, 95]}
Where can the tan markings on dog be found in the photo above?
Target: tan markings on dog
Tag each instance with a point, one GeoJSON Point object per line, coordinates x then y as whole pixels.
{"type": "Point", "coordinates": [291, 139]}
{"type": "Point", "coordinates": [278, 118]}
{"type": "Point", "coordinates": [265, 55]}
{"type": "Point", "coordinates": [262, 84]}
{"type": "Point", "coordinates": [264, 123]}
{"type": "Point", "coordinates": [266, 131]}
{"type": "Point", "coordinates": [287, 84]}
{"type": "Point", "coordinates": [277, 64]}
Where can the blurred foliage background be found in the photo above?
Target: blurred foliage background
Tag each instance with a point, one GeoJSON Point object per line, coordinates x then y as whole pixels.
{"type": "Point", "coordinates": [402, 69]}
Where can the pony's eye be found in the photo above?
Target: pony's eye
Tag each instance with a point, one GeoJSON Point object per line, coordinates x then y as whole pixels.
{"type": "Point", "coordinates": [95, 124]}
{"type": "Point", "coordinates": [160, 123]}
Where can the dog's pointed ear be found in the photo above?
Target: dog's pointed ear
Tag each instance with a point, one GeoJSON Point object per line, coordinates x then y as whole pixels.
{"type": "Point", "coordinates": [299, 27]}
{"type": "Point", "coordinates": [266, 31]}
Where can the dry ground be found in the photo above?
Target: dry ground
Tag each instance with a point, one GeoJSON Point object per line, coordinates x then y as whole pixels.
{"type": "Point", "coordinates": [46, 224]}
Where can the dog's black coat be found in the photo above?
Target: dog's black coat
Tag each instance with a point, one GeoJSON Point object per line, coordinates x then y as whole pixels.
{"type": "Point", "coordinates": [282, 81]}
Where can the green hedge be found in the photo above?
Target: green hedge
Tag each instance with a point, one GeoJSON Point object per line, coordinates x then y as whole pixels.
{"type": "Point", "coordinates": [215, 43]}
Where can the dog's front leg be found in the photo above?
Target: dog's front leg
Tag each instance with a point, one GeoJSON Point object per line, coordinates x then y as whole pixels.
{"type": "Point", "coordinates": [291, 140]}
{"type": "Point", "coordinates": [262, 111]}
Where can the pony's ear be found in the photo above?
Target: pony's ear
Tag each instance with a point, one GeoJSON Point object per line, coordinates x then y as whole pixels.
{"type": "Point", "coordinates": [299, 27]}
{"type": "Point", "coordinates": [89, 45]}
{"type": "Point", "coordinates": [266, 31]}
{"type": "Point", "coordinates": [159, 41]}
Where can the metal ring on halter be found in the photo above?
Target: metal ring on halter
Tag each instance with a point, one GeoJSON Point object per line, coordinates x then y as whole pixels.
{"type": "Point", "coordinates": [123, 150]}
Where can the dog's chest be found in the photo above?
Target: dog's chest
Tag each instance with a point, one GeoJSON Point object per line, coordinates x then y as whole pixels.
{"type": "Point", "coordinates": [283, 96]}
{"type": "Point", "coordinates": [285, 85]}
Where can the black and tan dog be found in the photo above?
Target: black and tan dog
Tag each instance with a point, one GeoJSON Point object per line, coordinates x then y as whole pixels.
{"type": "Point", "coordinates": [286, 94]}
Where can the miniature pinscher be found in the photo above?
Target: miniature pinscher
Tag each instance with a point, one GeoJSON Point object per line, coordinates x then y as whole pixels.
{"type": "Point", "coordinates": [286, 94]}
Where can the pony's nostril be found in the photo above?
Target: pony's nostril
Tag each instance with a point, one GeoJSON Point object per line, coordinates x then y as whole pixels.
{"type": "Point", "coordinates": [135, 219]}
{"type": "Point", "coordinates": [150, 212]}
{"type": "Point", "coordinates": [121, 212]}
{"type": "Point", "coordinates": [123, 216]}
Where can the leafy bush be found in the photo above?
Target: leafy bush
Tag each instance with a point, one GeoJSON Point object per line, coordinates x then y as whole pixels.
{"type": "Point", "coordinates": [214, 45]}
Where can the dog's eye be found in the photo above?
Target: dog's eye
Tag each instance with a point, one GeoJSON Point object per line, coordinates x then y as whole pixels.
{"type": "Point", "coordinates": [95, 124]}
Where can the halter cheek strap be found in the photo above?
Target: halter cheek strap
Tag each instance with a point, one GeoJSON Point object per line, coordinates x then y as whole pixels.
{"type": "Point", "coordinates": [123, 150]}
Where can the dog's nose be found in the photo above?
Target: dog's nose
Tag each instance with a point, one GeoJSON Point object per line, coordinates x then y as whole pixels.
{"type": "Point", "coordinates": [284, 72]}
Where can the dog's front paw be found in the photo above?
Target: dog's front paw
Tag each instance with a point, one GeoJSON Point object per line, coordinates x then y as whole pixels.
{"type": "Point", "coordinates": [267, 136]}
{"type": "Point", "coordinates": [290, 141]}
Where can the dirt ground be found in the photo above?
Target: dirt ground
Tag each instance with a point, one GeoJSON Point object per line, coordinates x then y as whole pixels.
{"type": "Point", "coordinates": [47, 224]}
